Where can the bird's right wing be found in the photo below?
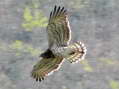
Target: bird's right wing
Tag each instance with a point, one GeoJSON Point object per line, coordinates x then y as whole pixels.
{"type": "Point", "coordinates": [58, 28]}
{"type": "Point", "coordinates": [45, 67]}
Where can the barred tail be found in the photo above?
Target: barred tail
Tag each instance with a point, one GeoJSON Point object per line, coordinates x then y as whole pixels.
{"type": "Point", "coordinates": [78, 52]}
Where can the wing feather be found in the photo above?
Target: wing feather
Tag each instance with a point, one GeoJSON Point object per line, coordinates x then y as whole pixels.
{"type": "Point", "coordinates": [58, 28]}
{"type": "Point", "coordinates": [77, 53]}
{"type": "Point", "coordinates": [45, 67]}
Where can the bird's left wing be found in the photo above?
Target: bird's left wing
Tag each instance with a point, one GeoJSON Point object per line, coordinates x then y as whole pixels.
{"type": "Point", "coordinates": [45, 67]}
{"type": "Point", "coordinates": [58, 28]}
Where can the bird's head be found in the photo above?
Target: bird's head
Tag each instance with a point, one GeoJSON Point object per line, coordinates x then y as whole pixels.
{"type": "Point", "coordinates": [47, 54]}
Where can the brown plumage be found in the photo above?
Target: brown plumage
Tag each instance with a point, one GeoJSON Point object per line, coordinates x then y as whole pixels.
{"type": "Point", "coordinates": [59, 35]}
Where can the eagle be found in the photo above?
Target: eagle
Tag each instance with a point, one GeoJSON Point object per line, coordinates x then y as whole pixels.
{"type": "Point", "coordinates": [59, 46]}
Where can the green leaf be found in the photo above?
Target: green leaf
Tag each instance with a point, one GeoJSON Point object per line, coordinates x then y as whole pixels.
{"type": "Point", "coordinates": [35, 20]}
{"type": "Point", "coordinates": [114, 84]}
{"type": "Point", "coordinates": [27, 15]}
{"type": "Point", "coordinates": [86, 66]}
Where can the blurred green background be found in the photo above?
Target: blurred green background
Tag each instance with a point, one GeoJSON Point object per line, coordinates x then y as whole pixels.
{"type": "Point", "coordinates": [23, 37]}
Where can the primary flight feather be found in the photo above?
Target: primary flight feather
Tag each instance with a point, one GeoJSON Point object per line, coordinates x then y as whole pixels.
{"type": "Point", "coordinates": [59, 36]}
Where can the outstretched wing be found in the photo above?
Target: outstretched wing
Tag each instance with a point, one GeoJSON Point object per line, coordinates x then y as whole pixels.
{"type": "Point", "coordinates": [58, 28]}
{"type": "Point", "coordinates": [45, 67]}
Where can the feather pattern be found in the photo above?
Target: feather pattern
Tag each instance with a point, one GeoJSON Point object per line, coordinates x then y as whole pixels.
{"type": "Point", "coordinates": [45, 67]}
{"type": "Point", "coordinates": [58, 28]}
{"type": "Point", "coordinates": [59, 35]}
{"type": "Point", "coordinates": [77, 53]}
{"type": "Point", "coordinates": [74, 52]}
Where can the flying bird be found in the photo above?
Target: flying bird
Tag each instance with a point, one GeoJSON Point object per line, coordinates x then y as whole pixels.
{"type": "Point", "coordinates": [59, 48]}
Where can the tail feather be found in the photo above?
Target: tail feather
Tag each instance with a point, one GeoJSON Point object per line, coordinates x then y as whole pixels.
{"type": "Point", "coordinates": [78, 52]}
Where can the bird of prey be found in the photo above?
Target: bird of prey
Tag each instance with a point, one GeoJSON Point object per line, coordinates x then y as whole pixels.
{"type": "Point", "coordinates": [59, 48]}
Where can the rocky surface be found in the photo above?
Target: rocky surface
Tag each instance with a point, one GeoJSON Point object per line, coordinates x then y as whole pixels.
{"type": "Point", "coordinates": [94, 22]}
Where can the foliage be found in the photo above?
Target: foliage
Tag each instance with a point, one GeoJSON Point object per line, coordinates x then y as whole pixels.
{"type": "Point", "coordinates": [109, 61]}
{"type": "Point", "coordinates": [18, 47]}
{"type": "Point", "coordinates": [87, 66]}
{"type": "Point", "coordinates": [33, 18]}
{"type": "Point", "coordinates": [114, 84]}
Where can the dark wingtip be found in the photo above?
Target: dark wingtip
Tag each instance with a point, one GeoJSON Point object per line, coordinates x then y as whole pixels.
{"type": "Point", "coordinates": [54, 9]}
{"type": "Point", "coordinates": [36, 79]}
{"type": "Point", "coordinates": [62, 9]}
{"type": "Point", "coordinates": [39, 79]}
{"type": "Point", "coordinates": [58, 10]}
{"type": "Point", "coordinates": [55, 6]}
{"type": "Point", "coordinates": [50, 14]}
{"type": "Point", "coordinates": [42, 78]}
